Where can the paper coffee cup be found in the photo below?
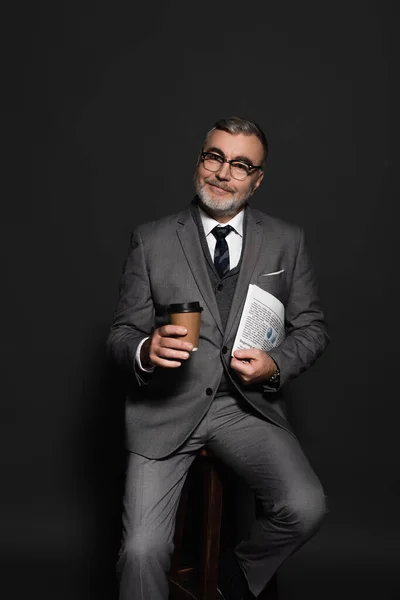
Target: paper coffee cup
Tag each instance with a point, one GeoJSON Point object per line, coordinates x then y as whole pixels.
{"type": "Point", "coordinates": [187, 314]}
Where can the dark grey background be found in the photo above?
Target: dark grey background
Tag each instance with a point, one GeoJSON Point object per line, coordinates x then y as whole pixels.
{"type": "Point", "coordinates": [105, 108]}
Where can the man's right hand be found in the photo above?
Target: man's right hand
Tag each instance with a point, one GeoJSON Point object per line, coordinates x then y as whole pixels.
{"type": "Point", "coordinates": [165, 349]}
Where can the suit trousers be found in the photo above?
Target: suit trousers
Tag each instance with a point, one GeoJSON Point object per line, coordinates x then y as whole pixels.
{"type": "Point", "coordinates": [268, 458]}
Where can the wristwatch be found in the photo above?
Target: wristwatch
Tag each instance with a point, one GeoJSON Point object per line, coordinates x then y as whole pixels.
{"type": "Point", "coordinates": [275, 376]}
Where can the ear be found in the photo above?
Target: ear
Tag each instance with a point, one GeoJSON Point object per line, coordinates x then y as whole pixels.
{"type": "Point", "coordinates": [258, 181]}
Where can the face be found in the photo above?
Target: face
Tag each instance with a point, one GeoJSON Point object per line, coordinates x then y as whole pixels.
{"type": "Point", "coordinates": [220, 195]}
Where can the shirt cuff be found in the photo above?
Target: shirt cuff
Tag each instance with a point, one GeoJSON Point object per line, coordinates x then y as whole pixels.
{"type": "Point", "coordinates": [137, 357]}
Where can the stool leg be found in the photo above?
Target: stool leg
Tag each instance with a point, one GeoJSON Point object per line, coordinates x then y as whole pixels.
{"type": "Point", "coordinates": [211, 533]}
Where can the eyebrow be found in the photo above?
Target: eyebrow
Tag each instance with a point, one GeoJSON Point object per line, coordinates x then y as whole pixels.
{"type": "Point", "coordinates": [240, 158]}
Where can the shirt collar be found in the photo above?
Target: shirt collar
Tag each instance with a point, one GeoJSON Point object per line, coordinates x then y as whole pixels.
{"type": "Point", "coordinates": [209, 223]}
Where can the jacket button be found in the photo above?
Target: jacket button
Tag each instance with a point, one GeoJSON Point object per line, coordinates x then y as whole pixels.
{"type": "Point", "coordinates": [208, 391]}
{"type": "Point", "coordinates": [220, 287]}
{"type": "Point", "coordinates": [224, 350]}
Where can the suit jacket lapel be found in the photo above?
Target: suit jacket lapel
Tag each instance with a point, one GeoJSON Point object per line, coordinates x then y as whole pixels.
{"type": "Point", "coordinates": [189, 238]}
{"type": "Point", "coordinates": [250, 253]}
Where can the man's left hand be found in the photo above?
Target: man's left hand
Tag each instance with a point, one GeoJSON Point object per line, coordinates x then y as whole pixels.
{"type": "Point", "coordinates": [253, 365]}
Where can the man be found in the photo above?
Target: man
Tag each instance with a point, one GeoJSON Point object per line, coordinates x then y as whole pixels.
{"type": "Point", "coordinates": [179, 401]}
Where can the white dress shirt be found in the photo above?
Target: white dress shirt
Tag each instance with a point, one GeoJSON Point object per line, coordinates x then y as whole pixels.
{"type": "Point", "coordinates": [234, 240]}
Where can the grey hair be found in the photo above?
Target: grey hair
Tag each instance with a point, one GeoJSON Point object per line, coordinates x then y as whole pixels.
{"type": "Point", "coordinates": [236, 125]}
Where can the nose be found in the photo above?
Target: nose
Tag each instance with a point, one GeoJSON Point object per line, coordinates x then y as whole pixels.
{"type": "Point", "coordinates": [224, 173]}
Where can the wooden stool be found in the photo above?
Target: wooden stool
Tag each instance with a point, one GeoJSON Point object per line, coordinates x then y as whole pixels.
{"type": "Point", "coordinates": [187, 582]}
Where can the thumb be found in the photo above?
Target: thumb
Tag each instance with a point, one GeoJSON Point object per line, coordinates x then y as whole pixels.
{"type": "Point", "coordinates": [245, 353]}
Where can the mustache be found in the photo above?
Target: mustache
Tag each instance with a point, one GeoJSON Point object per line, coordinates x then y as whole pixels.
{"type": "Point", "coordinates": [219, 185]}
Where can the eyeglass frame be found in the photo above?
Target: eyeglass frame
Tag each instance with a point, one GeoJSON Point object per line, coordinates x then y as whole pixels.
{"type": "Point", "coordinates": [222, 161]}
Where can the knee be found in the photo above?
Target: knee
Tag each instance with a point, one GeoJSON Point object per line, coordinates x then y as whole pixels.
{"type": "Point", "coordinates": [145, 547]}
{"type": "Point", "coordinates": [309, 510]}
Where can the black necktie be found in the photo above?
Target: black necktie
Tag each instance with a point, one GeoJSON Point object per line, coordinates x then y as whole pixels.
{"type": "Point", "coordinates": [221, 254]}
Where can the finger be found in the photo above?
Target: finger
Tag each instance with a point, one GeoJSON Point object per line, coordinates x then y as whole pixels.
{"type": "Point", "coordinates": [168, 364]}
{"type": "Point", "coordinates": [244, 368]}
{"type": "Point", "coordinates": [175, 343]}
{"type": "Point", "coordinates": [170, 354]}
{"type": "Point", "coordinates": [171, 330]}
{"type": "Point", "coordinates": [246, 354]}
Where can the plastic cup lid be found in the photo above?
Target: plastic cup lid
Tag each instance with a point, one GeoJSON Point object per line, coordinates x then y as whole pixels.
{"type": "Point", "coordinates": [185, 307]}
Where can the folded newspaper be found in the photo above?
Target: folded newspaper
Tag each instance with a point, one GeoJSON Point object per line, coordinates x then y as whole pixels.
{"type": "Point", "coordinates": [262, 324]}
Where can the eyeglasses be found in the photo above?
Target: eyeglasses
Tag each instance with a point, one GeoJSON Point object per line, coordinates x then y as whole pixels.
{"type": "Point", "coordinates": [238, 169]}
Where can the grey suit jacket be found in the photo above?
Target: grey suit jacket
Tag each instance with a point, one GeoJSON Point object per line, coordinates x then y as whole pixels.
{"type": "Point", "coordinates": [166, 265]}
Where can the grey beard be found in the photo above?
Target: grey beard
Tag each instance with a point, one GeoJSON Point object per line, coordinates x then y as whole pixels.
{"type": "Point", "coordinates": [222, 208]}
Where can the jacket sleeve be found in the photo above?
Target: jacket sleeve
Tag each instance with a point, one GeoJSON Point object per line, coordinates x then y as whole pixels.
{"type": "Point", "coordinates": [306, 329]}
{"type": "Point", "coordinates": [134, 315]}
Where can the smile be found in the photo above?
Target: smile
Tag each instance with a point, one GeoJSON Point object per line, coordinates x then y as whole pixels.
{"type": "Point", "coordinates": [219, 190]}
